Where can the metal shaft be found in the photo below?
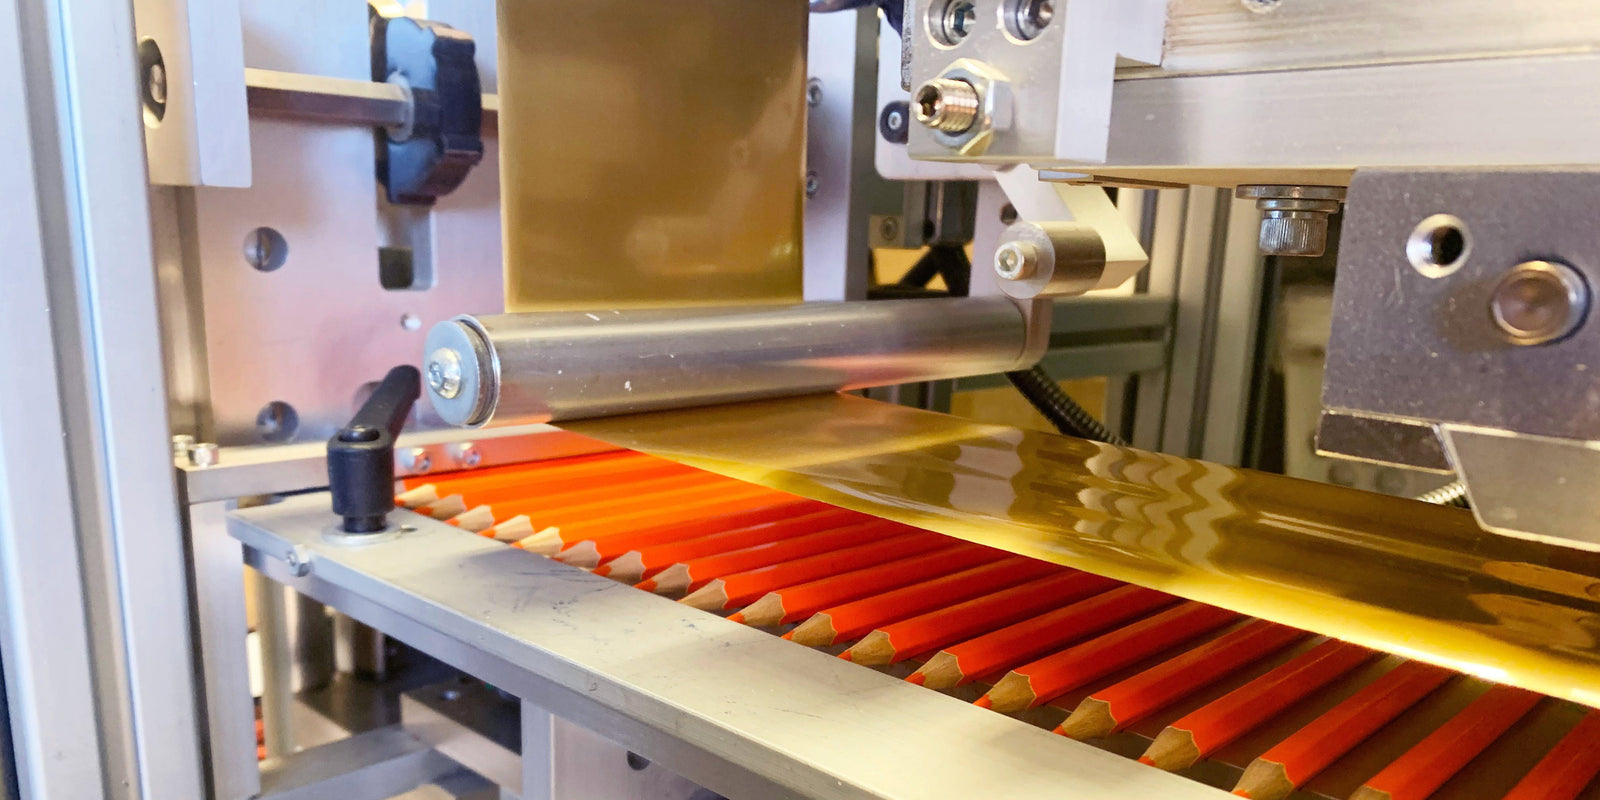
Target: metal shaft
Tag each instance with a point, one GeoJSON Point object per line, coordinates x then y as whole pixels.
{"type": "Point", "coordinates": [543, 367]}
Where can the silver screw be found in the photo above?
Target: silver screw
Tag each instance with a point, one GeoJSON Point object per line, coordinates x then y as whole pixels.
{"type": "Point", "coordinates": [155, 79]}
{"type": "Point", "coordinates": [1539, 302]}
{"type": "Point", "coordinates": [182, 443]}
{"type": "Point", "coordinates": [417, 460]}
{"type": "Point", "coordinates": [888, 229]}
{"type": "Point", "coordinates": [814, 92]}
{"type": "Point", "coordinates": [1294, 219]}
{"type": "Point", "coordinates": [205, 454]}
{"type": "Point", "coordinates": [467, 455]}
{"type": "Point", "coordinates": [897, 120]}
{"type": "Point", "coordinates": [1261, 6]}
{"type": "Point", "coordinates": [444, 373]}
{"type": "Point", "coordinates": [946, 104]}
{"type": "Point", "coordinates": [298, 560]}
{"type": "Point", "coordinates": [1016, 261]}
{"type": "Point", "coordinates": [812, 184]}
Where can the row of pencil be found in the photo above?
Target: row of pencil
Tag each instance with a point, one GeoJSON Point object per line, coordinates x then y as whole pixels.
{"type": "Point", "coordinates": [1034, 633]}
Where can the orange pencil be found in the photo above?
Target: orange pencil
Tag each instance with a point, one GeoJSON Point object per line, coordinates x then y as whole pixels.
{"type": "Point", "coordinates": [697, 573]}
{"type": "Point", "coordinates": [1425, 767]}
{"type": "Point", "coordinates": [567, 528]}
{"type": "Point", "coordinates": [1115, 707]}
{"type": "Point", "coordinates": [604, 547]}
{"type": "Point", "coordinates": [537, 475]}
{"type": "Point", "coordinates": [1567, 769]}
{"type": "Point", "coordinates": [486, 508]}
{"type": "Point", "coordinates": [740, 589]}
{"type": "Point", "coordinates": [857, 618]}
{"type": "Point", "coordinates": [1246, 708]}
{"type": "Point", "coordinates": [1018, 644]}
{"type": "Point", "coordinates": [911, 637]}
{"type": "Point", "coordinates": [1310, 750]}
{"type": "Point", "coordinates": [646, 561]}
{"type": "Point", "coordinates": [1044, 680]}
{"type": "Point", "coordinates": [544, 513]}
{"type": "Point", "coordinates": [796, 603]}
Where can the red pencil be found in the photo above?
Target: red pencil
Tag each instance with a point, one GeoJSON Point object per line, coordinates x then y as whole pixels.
{"type": "Point", "coordinates": [1567, 769]}
{"type": "Point", "coordinates": [796, 603]}
{"type": "Point", "coordinates": [697, 573]}
{"type": "Point", "coordinates": [1115, 707]}
{"type": "Point", "coordinates": [645, 562]}
{"type": "Point", "coordinates": [742, 588]}
{"type": "Point", "coordinates": [1425, 767]}
{"type": "Point", "coordinates": [1044, 680]}
{"type": "Point", "coordinates": [1246, 708]}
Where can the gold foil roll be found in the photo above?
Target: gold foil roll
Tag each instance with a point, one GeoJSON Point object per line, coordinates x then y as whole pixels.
{"type": "Point", "coordinates": [1397, 575]}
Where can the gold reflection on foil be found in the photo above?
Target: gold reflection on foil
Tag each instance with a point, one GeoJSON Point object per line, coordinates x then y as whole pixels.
{"type": "Point", "coordinates": [651, 153]}
{"type": "Point", "coordinates": [1389, 573]}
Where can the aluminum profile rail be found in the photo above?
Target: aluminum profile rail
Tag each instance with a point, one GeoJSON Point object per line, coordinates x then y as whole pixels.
{"type": "Point", "coordinates": [737, 710]}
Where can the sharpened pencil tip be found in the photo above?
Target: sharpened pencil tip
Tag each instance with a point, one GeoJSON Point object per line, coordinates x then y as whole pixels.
{"type": "Point", "coordinates": [983, 702]}
{"type": "Point", "coordinates": [916, 678]}
{"type": "Point", "coordinates": [1147, 761]}
{"type": "Point", "coordinates": [846, 656]}
{"type": "Point", "coordinates": [737, 616]}
{"type": "Point", "coordinates": [648, 585]}
{"type": "Point", "coordinates": [603, 569]}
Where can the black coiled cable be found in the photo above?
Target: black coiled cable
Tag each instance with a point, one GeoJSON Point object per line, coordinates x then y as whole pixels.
{"type": "Point", "coordinates": [1062, 411]}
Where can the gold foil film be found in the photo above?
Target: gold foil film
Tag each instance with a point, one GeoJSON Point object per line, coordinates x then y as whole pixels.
{"type": "Point", "coordinates": [651, 153]}
{"type": "Point", "coordinates": [1394, 574]}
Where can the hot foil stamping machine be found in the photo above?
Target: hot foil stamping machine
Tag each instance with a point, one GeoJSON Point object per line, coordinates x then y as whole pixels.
{"type": "Point", "coordinates": [679, 298]}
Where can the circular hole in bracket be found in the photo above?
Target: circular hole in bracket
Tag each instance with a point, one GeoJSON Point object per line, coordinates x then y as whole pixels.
{"type": "Point", "coordinates": [1439, 246]}
{"type": "Point", "coordinates": [152, 82]}
{"type": "Point", "coordinates": [952, 21]}
{"type": "Point", "coordinates": [1024, 20]}
{"type": "Point", "coordinates": [277, 421]}
{"type": "Point", "coordinates": [265, 249]}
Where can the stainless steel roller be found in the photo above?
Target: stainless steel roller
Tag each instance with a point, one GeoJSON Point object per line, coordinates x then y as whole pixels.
{"type": "Point", "coordinates": [544, 367]}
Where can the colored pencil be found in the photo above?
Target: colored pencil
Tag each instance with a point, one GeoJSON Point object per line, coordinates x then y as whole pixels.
{"type": "Point", "coordinates": [644, 562]}
{"type": "Point", "coordinates": [1434, 760]}
{"type": "Point", "coordinates": [740, 589]}
{"type": "Point", "coordinates": [1567, 769]}
{"type": "Point", "coordinates": [796, 603]}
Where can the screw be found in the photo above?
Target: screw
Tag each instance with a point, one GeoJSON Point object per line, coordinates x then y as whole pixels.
{"type": "Point", "coordinates": [205, 454]}
{"type": "Point", "coordinates": [812, 184]}
{"type": "Point", "coordinates": [1294, 219]}
{"type": "Point", "coordinates": [265, 249]}
{"type": "Point", "coordinates": [947, 105]}
{"type": "Point", "coordinates": [894, 122]}
{"type": "Point", "coordinates": [417, 460]}
{"type": "Point", "coordinates": [1261, 6]}
{"type": "Point", "coordinates": [298, 560]}
{"type": "Point", "coordinates": [444, 373]}
{"type": "Point", "coordinates": [182, 443]}
{"type": "Point", "coordinates": [155, 83]}
{"type": "Point", "coordinates": [467, 455]}
{"type": "Point", "coordinates": [888, 228]}
{"type": "Point", "coordinates": [1539, 302]}
{"type": "Point", "coordinates": [411, 322]}
{"type": "Point", "coordinates": [1016, 261]}
{"type": "Point", "coordinates": [814, 92]}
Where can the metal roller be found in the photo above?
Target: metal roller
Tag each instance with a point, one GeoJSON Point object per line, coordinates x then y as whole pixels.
{"type": "Point", "coordinates": [543, 367]}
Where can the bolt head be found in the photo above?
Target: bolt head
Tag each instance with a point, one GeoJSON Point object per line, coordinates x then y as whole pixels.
{"type": "Point", "coordinates": [1016, 261]}
{"type": "Point", "coordinates": [814, 92]}
{"type": "Point", "coordinates": [417, 460]}
{"type": "Point", "coordinates": [444, 373]}
{"type": "Point", "coordinates": [205, 454]}
{"type": "Point", "coordinates": [1300, 234]}
{"type": "Point", "coordinates": [182, 443]}
{"type": "Point", "coordinates": [1538, 302]}
{"type": "Point", "coordinates": [813, 184]}
{"type": "Point", "coordinates": [467, 455]}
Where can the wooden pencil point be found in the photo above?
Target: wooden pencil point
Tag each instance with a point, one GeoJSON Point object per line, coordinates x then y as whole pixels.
{"type": "Point", "coordinates": [1264, 780]}
{"type": "Point", "coordinates": [546, 542]}
{"type": "Point", "coordinates": [943, 671]}
{"type": "Point", "coordinates": [512, 530]}
{"type": "Point", "coordinates": [1090, 720]}
{"type": "Point", "coordinates": [672, 580]}
{"type": "Point", "coordinates": [447, 507]}
{"type": "Point", "coordinates": [916, 678]}
{"type": "Point", "coordinates": [477, 519]}
{"type": "Point", "coordinates": [815, 632]}
{"type": "Point", "coordinates": [646, 585]}
{"type": "Point", "coordinates": [1172, 750]}
{"type": "Point", "coordinates": [1369, 793]}
{"type": "Point", "coordinates": [765, 612]}
{"type": "Point", "coordinates": [627, 567]}
{"type": "Point", "coordinates": [983, 702]}
{"type": "Point", "coordinates": [418, 497]}
{"type": "Point", "coordinates": [710, 597]}
{"type": "Point", "coordinates": [1014, 692]}
{"type": "Point", "coordinates": [737, 616]}
{"type": "Point", "coordinates": [583, 554]}
{"type": "Point", "coordinates": [874, 650]}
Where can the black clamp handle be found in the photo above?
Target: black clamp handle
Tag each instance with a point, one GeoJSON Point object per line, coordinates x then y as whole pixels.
{"type": "Point", "coordinates": [361, 455]}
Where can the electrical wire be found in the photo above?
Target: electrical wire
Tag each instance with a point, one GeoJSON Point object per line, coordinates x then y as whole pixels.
{"type": "Point", "coordinates": [1063, 412]}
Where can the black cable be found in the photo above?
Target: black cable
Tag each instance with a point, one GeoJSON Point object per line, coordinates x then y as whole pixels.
{"type": "Point", "coordinates": [1062, 411]}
